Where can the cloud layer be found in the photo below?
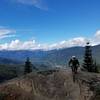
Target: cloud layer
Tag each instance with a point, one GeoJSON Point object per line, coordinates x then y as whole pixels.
{"type": "Point", "coordinates": [5, 33]}
{"type": "Point", "coordinates": [33, 45]}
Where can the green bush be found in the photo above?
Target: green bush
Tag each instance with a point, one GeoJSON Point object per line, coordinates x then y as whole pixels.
{"type": "Point", "coordinates": [2, 96]}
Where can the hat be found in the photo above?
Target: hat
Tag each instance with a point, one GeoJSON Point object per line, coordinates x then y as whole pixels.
{"type": "Point", "coordinates": [73, 56]}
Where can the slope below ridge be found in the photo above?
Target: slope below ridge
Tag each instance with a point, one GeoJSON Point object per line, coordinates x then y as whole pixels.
{"type": "Point", "coordinates": [56, 86]}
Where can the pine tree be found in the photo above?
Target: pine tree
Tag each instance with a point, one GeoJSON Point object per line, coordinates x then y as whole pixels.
{"type": "Point", "coordinates": [88, 61]}
{"type": "Point", "coordinates": [96, 67]}
{"type": "Point", "coordinates": [28, 67]}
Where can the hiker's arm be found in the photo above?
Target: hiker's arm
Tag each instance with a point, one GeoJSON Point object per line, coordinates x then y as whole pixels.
{"type": "Point", "coordinates": [69, 63]}
{"type": "Point", "coordinates": [78, 63]}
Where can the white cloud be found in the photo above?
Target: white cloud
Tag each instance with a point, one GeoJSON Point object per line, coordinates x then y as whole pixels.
{"type": "Point", "coordinates": [96, 38]}
{"type": "Point", "coordinates": [33, 45]}
{"type": "Point", "coordinates": [79, 41]}
{"type": "Point", "coordinates": [97, 34]}
{"type": "Point", "coordinates": [19, 45]}
{"type": "Point", "coordinates": [36, 3]}
{"type": "Point", "coordinates": [4, 33]}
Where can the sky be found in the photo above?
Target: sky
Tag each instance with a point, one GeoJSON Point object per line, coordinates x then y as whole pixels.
{"type": "Point", "coordinates": [48, 24]}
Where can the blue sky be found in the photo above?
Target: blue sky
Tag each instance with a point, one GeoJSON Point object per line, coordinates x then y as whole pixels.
{"type": "Point", "coordinates": [49, 21]}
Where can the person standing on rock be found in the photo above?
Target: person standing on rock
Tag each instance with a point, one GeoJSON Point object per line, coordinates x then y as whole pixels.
{"type": "Point", "coordinates": [74, 64]}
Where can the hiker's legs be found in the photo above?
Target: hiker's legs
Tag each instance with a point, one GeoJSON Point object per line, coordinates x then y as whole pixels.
{"type": "Point", "coordinates": [75, 69]}
{"type": "Point", "coordinates": [74, 73]}
{"type": "Point", "coordinates": [72, 69]}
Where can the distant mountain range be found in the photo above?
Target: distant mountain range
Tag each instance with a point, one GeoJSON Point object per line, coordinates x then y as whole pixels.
{"type": "Point", "coordinates": [53, 57]}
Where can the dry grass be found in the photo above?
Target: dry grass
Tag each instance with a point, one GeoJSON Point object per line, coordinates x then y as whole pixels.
{"type": "Point", "coordinates": [56, 86]}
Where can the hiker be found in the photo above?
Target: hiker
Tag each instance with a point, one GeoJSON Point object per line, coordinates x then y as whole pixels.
{"type": "Point", "coordinates": [74, 64]}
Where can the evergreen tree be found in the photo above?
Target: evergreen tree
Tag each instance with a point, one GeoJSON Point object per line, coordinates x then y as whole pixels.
{"type": "Point", "coordinates": [28, 66]}
{"type": "Point", "coordinates": [96, 67]}
{"type": "Point", "coordinates": [88, 61]}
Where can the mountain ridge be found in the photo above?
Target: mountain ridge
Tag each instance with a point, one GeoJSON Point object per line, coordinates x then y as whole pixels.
{"type": "Point", "coordinates": [57, 57]}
